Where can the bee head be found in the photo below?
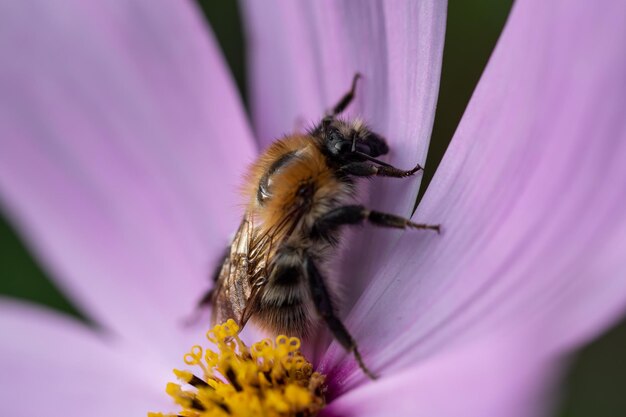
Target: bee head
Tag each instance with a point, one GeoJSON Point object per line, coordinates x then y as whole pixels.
{"type": "Point", "coordinates": [351, 140]}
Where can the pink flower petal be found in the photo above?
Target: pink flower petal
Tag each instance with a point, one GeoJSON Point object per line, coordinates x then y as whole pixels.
{"type": "Point", "coordinates": [54, 366]}
{"type": "Point", "coordinates": [122, 144]}
{"type": "Point", "coordinates": [531, 195]}
{"type": "Point", "coordinates": [483, 379]}
{"type": "Point", "coordinates": [304, 55]}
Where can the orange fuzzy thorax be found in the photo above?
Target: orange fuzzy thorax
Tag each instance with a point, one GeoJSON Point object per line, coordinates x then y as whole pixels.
{"type": "Point", "coordinates": [308, 170]}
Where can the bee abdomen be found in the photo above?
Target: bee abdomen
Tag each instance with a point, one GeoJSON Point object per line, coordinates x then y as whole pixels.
{"type": "Point", "coordinates": [287, 276]}
{"type": "Point", "coordinates": [284, 307]}
{"type": "Point", "coordinates": [291, 318]}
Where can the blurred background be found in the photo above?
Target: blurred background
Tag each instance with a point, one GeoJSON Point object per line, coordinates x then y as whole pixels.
{"type": "Point", "coordinates": [594, 385]}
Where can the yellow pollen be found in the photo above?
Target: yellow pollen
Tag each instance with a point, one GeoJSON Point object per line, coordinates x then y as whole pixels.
{"type": "Point", "coordinates": [271, 378]}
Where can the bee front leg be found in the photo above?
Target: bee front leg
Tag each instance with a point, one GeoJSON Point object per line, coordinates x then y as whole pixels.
{"type": "Point", "coordinates": [366, 169]}
{"type": "Point", "coordinates": [324, 307]}
{"type": "Point", "coordinates": [346, 99]}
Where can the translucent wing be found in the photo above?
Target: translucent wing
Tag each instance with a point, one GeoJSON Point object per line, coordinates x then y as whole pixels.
{"type": "Point", "coordinates": [233, 287]}
{"type": "Point", "coordinates": [247, 268]}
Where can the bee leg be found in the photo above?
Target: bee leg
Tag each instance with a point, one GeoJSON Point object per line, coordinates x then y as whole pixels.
{"type": "Point", "coordinates": [346, 99]}
{"type": "Point", "coordinates": [205, 301]}
{"type": "Point", "coordinates": [196, 315]}
{"type": "Point", "coordinates": [365, 169]}
{"type": "Point", "coordinates": [207, 297]}
{"type": "Point", "coordinates": [356, 214]}
{"type": "Point", "coordinates": [324, 307]}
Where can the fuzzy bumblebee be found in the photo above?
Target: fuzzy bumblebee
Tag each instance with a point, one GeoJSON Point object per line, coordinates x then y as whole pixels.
{"type": "Point", "coordinates": [301, 193]}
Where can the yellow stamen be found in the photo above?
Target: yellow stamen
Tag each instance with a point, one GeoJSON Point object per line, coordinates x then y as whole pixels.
{"type": "Point", "coordinates": [271, 378]}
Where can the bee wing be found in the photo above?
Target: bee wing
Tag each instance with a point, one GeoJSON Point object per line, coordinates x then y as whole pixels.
{"type": "Point", "coordinates": [233, 288]}
{"type": "Point", "coordinates": [245, 271]}
{"type": "Point", "coordinates": [261, 249]}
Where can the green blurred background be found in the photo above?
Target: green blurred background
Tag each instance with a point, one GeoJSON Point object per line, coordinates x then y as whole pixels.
{"type": "Point", "coordinates": [595, 382]}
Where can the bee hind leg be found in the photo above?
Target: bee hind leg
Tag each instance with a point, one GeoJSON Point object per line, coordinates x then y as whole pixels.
{"type": "Point", "coordinates": [196, 315]}
{"type": "Point", "coordinates": [324, 307]}
{"type": "Point", "coordinates": [207, 298]}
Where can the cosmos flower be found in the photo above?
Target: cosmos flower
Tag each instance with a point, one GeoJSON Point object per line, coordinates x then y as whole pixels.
{"type": "Point", "coordinates": [123, 140]}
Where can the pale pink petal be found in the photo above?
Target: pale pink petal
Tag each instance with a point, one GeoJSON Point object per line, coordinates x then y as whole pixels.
{"type": "Point", "coordinates": [54, 366]}
{"type": "Point", "coordinates": [303, 57]}
{"type": "Point", "coordinates": [123, 141]}
{"type": "Point", "coordinates": [483, 379]}
{"type": "Point", "coordinates": [531, 196]}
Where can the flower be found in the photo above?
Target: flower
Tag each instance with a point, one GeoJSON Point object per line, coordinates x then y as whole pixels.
{"type": "Point", "coordinates": [269, 378]}
{"type": "Point", "coordinates": [122, 141]}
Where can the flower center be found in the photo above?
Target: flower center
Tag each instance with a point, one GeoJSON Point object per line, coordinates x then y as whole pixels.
{"type": "Point", "coordinates": [271, 378]}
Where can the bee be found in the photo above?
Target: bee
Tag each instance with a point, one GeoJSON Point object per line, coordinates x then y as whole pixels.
{"type": "Point", "coordinates": [300, 194]}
